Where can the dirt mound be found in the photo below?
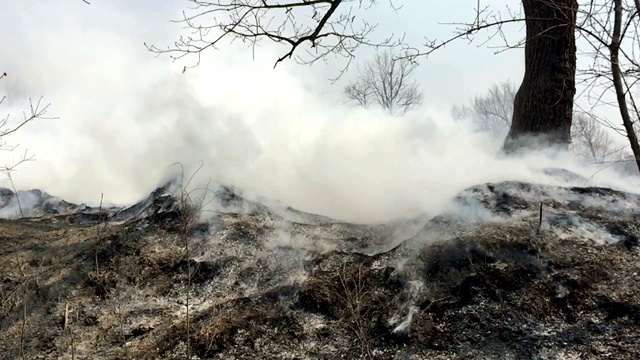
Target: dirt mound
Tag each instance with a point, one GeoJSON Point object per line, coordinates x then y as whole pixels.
{"type": "Point", "coordinates": [487, 280]}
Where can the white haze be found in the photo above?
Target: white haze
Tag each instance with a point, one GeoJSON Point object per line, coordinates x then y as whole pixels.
{"type": "Point", "coordinates": [125, 116]}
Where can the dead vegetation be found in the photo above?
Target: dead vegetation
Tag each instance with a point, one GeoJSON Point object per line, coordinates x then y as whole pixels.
{"type": "Point", "coordinates": [492, 291]}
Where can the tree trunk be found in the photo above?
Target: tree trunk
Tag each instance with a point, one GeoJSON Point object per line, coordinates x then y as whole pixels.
{"type": "Point", "coordinates": [614, 50]}
{"type": "Point", "coordinates": [543, 105]}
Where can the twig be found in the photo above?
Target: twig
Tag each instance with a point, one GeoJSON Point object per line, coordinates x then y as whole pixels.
{"type": "Point", "coordinates": [24, 321]}
{"type": "Point", "coordinates": [39, 272]}
{"type": "Point", "coordinates": [99, 240]}
{"type": "Point", "coordinates": [73, 345]}
{"type": "Point", "coordinates": [432, 302]}
{"type": "Point", "coordinates": [540, 219]}
{"type": "Point", "coordinates": [66, 316]}
{"type": "Point", "coordinates": [334, 29]}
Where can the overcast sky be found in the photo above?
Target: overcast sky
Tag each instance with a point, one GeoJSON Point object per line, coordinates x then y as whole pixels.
{"type": "Point", "coordinates": [125, 115]}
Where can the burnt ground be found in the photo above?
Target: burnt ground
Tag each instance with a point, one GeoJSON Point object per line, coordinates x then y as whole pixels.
{"type": "Point", "coordinates": [264, 286]}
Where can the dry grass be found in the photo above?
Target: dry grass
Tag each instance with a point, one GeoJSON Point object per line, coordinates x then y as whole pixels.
{"type": "Point", "coordinates": [496, 278]}
{"type": "Point", "coordinates": [353, 290]}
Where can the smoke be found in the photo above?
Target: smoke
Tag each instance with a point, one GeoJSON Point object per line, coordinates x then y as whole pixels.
{"type": "Point", "coordinates": [19, 205]}
{"type": "Point", "coordinates": [126, 116]}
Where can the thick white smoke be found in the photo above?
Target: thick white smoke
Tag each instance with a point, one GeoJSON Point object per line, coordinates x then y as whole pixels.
{"type": "Point", "coordinates": [125, 116]}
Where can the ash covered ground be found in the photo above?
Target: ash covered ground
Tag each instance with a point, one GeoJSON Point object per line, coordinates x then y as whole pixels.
{"type": "Point", "coordinates": [513, 271]}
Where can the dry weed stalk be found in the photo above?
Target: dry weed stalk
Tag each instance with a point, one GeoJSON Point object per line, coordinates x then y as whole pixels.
{"type": "Point", "coordinates": [102, 225]}
{"type": "Point", "coordinates": [214, 324]}
{"type": "Point", "coordinates": [353, 293]}
{"type": "Point", "coordinates": [191, 207]}
{"type": "Point", "coordinates": [24, 321]}
{"type": "Point", "coordinates": [98, 240]}
{"type": "Point", "coordinates": [118, 311]}
{"type": "Point", "coordinates": [66, 316]}
{"type": "Point", "coordinates": [537, 229]}
{"type": "Point", "coordinates": [66, 327]}
{"type": "Point", "coordinates": [73, 345]}
{"type": "Point", "coordinates": [39, 272]}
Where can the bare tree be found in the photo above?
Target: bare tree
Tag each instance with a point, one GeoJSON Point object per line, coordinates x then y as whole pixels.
{"type": "Point", "coordinates": [358, 92]}
{"type": "Point", "coordinates": [543, 104]}
{"type": "Point", "coordinates": [591, 141]}
{"type": "Point", "coordinates": [387, 82]}
{"type": "Point", "coordinates": [491, 112]}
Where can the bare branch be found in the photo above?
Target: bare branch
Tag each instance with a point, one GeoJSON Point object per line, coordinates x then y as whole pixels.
{"type": "Point", "coordinates": [37, 110]}
{"type": "Point", "coordinates": [327, 27]}
{"type": "Point", "coordinates": [467, 32]}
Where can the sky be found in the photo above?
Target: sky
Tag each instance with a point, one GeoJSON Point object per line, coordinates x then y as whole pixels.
{"type": "Point", "coordinates": [125, 115]}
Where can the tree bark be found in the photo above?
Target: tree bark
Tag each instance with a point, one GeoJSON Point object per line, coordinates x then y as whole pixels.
{"type": "Point", "coordinates": [618, 83]}
{"type": "Point", "coordinates": [543, 105]}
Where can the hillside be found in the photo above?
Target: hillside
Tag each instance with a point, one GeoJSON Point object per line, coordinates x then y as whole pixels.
{"type": "Point", "coordinates": [514, 271]}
